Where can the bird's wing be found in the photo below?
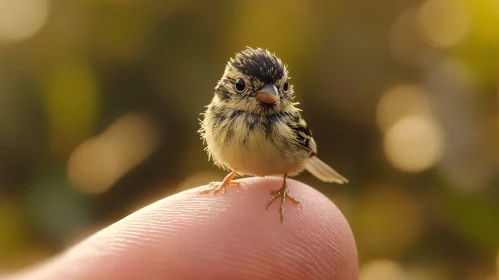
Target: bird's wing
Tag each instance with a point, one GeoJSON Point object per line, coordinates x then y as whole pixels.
{"type": "Point", "coordinates": [303, 135]}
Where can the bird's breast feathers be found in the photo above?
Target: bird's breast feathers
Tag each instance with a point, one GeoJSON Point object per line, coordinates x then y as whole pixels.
{"type": "Point", "coordinates": [255, 144]}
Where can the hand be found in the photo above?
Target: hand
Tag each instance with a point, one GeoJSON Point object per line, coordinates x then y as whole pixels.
{"type": "Point", "coordinates": [227, 236]}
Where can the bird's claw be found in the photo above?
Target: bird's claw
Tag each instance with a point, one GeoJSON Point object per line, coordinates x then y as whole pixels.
{"type": "Point", "coordinates": [283, 193]}
{"type": "Point", "coordinates": [217, 187]}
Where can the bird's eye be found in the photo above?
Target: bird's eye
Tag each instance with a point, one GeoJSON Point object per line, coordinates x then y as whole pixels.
{"type": "Point", "coordinates": [285, 87]}
{"type": "Point", "coordinates": [240, 85]}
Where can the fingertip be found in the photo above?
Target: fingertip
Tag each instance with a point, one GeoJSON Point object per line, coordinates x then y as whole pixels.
{"type": "Point", "coordinates": [227, 236]}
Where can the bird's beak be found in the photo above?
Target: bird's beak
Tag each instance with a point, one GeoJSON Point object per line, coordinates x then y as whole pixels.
{"type": "Point", "coordinates": [268, 94]}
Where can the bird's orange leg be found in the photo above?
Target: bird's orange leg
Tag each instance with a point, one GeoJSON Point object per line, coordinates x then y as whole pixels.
{"type": "Point", "coordinates": [283, 193]}
{"type": "Point", "coordinates": [220, 186]}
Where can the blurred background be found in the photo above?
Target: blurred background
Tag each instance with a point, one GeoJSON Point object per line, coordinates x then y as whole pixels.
{"type": "Point", "coordinates": [100, 100]}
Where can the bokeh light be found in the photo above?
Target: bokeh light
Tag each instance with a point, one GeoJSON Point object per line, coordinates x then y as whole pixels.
{"type": "Point", "coordinates": [400, 101]}
{"type": "Point", "coordinates": [414, 144]}
{"type": "Point", "coordinates": [444, 23]}
{"type": "Point", "coordinates": [100, 161]}
{"type": "Point", "coordinates": [22, 19]}
{"type": "Point", "coordinates": [382, 270]}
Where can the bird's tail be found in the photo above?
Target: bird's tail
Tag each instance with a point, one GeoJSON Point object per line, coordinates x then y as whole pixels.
{"type": "Point", "coordinates": [323, 171]}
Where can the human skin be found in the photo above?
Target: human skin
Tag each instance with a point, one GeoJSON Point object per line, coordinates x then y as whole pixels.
{"type": "Point", "coordinates": [227, 236]}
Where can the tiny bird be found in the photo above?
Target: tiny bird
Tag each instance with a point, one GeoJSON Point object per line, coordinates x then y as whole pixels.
{"type": "Point", "coordinates": [253, 127]}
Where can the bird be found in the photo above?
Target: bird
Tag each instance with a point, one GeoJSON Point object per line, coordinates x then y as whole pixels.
{"type": "Point", "coordinates": [253, 127]}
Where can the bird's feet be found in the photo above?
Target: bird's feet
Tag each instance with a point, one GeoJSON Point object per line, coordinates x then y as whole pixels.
{"type": "Point", "coordinates": [217, 187]}
{"type": "Point", "coordinates": [283, 193]}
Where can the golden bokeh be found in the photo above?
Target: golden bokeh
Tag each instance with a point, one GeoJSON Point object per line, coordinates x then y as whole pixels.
{"type": "Point", "coordinates": [444, 23]}
{"type": "Point", "coordinates": [96, 164]}
{"type": "Point", "coordinates": [382, 270]}
{"type": "Point", "coordinates": [22, 19]}
{"type": "Point", "coordinates": [414, 143]}
{"type": "Point", "coordinates": [400, 101]}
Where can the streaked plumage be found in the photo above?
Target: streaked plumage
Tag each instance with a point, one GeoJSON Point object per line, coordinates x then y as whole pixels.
{"type": "Point", "coordinates": [259, 130]}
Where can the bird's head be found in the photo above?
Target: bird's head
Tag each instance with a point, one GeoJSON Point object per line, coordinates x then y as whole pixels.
{"type": "Point", "coordinates": [255, 80]}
